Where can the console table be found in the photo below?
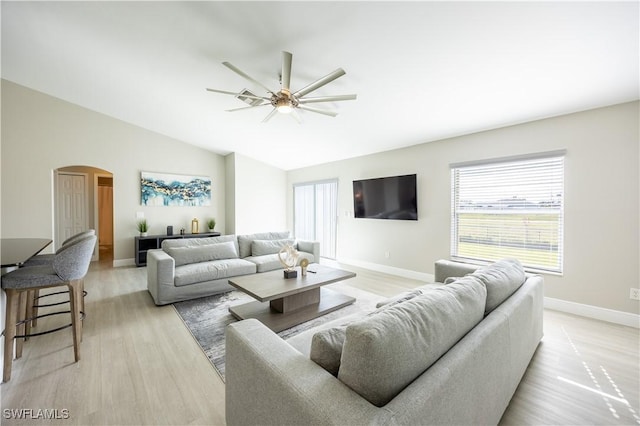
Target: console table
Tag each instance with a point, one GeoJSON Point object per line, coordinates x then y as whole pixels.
{"type": "Point", "coordinates": [143, 244]}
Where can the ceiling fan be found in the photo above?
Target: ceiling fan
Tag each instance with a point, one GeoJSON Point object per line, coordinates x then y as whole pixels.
{"type": "Point", "coordinates": [283, 100]}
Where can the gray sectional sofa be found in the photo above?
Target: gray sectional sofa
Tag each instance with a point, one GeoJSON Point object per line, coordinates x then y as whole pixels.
{"type": "Point", "coordinates": [188, 268]}
{"type": "Point", "coordinates": [442, 354]}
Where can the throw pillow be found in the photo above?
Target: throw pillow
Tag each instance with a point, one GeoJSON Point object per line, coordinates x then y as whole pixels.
{"type": "Point", "coordinates": [502, 279]}
{"type": "Point", "coordinates": [402, 297]}
{"type": "Point", "coordinates": [205, 253]}
{"type": "Point", "coordinates": [244, 241]}
{"type": "Point", "coordinates": [326, 348]}
{"type": "Point", "coordinates": [385, 352]}
{"type": "Point", "coordinates": [264, 247]}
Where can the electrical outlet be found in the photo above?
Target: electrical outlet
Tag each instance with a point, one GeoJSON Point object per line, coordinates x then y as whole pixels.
{"type": "Point", "coordinates": [634, 293]}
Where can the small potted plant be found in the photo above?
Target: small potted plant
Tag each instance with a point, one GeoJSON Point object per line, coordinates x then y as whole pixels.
{"type": "Point", "coordinates": [211, 223]}
{"type": "Point", "coordinates": [143, 227]}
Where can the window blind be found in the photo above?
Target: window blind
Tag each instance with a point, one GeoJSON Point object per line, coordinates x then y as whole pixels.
{"type": "Point", "coordinates": [511, 208]}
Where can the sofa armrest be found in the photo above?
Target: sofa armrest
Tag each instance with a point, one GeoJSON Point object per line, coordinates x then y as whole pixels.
{"type": "Point", "coordinates": [312, 247]}
{"type": "Point", "coordinates": [160, 272]}
{"type": "Point", "coordinates": [448, 268]}
{"type": "Point", "coordinates": [269, 382]}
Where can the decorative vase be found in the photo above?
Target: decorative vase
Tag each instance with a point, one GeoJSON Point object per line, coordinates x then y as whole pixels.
{"type": "Point", "coordinates": [144, 234]}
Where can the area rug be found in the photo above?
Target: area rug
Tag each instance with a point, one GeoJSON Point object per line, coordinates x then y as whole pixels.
{"type": "Point", "coordinates": [207, 317]}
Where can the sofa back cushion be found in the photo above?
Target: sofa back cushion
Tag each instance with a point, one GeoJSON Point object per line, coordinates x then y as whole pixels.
{"type": "Point", "coordinates": [202, 253]}
{"type": "Point", "coordinates": [264, 247]}
{"type": "Point", "coordinates": [244, 241]}
{"type": "Point", "coordinates": [385, 352]}
{"type": "Point", "coordinates": [502, 279]}
{"type": "Point", "coordinates": [195, 242]}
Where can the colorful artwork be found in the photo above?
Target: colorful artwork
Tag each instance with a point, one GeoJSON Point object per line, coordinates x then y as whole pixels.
{"type": "Point", "coordinates": [163, 189]}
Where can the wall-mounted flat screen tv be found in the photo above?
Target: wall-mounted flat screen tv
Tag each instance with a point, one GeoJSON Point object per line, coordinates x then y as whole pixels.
{"type": "Point", "coordinates": [393, 197]}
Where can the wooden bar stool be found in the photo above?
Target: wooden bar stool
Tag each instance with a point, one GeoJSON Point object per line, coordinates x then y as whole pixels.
{"type": "Point", "coordinates": [68, 268]}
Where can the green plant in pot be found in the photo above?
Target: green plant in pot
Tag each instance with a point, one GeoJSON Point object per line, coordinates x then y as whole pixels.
{"type": "Point", "coordinates": [143, 227]}
{"type": "Point", "coordinates": [211, 223]}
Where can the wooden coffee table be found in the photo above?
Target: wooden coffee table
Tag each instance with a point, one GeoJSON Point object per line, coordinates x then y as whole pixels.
{"type": "Point", "coordinates": [292, 301]}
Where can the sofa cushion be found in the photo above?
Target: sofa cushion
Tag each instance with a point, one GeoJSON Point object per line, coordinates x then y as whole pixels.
{"type": "Point", "coordinates": [213, 270]}
{"type": "Point", "coordinates": [326, 348]}
{"type": "Point", "coordinates": [244, 241]}
{"type": "Point", "coordinates": [202, 253]}
{"type": "Point", "coordinates": [270, 262]}
{"type": "Point", "coordinates": [262, 247]}
{"type": "Point", "coordinates": [385, 352]}
{"type": "Point", "coordinates": [191, 242]}
{"type": "Point", "coordinates": [402, 297]}
{"type": "Point", "coordinates": [502, 279]}
{"type": "Point", "coordinates": [266, 263]}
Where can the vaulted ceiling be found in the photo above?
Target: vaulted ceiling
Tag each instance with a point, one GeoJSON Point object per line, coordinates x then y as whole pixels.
{"type": "Point", "coordinates": [423, 71]}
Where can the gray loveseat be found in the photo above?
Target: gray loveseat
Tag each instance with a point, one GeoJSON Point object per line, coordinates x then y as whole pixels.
{"type": "Point", "coordinates": [188, 268]}
{"type": "Point", "coordinates": [446, 354]}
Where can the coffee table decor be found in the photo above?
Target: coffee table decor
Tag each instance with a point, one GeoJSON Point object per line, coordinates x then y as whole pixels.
{"type": "Point", "coordinates": [288, 256]}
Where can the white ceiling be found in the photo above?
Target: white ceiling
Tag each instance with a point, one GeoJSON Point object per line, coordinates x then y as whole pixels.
{"type": "Point", "coordinates": [423, 71]}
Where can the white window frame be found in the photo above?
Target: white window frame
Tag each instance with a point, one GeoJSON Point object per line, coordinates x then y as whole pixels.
{"type": "Point", "coordinates": [510, 207]}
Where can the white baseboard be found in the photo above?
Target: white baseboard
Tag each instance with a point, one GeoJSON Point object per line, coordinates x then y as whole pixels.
{"type": "Point", "coordinates": [391, 270]}
{"type": "Point", "coordinates": [124, 262]}
{"type": "Point", "coordinates": [595, 312]}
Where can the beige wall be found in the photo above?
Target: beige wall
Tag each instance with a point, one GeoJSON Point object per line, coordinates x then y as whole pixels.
{"type": "Point", "coordinates": [259, 191]}
{"type": "Point", "coordinates": [41, 133]}
{"type": "Point", "coordinates": [601, 194]}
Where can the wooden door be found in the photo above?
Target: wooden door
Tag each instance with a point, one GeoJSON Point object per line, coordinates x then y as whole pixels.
{"type": "Point", "coordinates": [72, 205]}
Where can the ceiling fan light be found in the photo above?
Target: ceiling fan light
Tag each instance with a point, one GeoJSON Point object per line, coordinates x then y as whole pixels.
{"type": "Point", "coordinates": [283, 105]}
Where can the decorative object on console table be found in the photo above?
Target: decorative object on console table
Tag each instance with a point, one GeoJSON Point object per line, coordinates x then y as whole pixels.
{"type": "Point", "coordinates": [143, 244]}
{"type": "Point", "coordinates": [169, 230]}
{"type": "Point", "coordinates": [289, 260]}
{"type": "Point", "coordinates": [211, 224]}
{"type": "Point", "coordinates": [143, 227]}
{"type": "Point", "coordinates": [194, 226]}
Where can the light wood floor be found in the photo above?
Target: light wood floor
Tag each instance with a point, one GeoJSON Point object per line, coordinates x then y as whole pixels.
{"type": "Point", "coordinates": [141, 366]}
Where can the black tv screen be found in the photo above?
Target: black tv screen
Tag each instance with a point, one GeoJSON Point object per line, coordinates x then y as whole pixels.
{"type": "Point", "coordinates": [393, 197]}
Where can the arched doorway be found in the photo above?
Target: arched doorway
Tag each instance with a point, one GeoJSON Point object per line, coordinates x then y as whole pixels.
{"type": "Point", "coordinates": [83, 199]}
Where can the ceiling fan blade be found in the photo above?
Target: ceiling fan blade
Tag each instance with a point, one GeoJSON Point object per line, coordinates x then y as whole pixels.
{"type": "Point", "coordinates": [319, 83]}
{"type": "Point", "coordinates": [327, 99]}
{"type": "Point", "coordinates": [238, 94]}
{"type": "Point", "coordinates": [287, 57]}
{"type": "Point", "coordinates": [246, 76]}
{"type": "Point", "coordinates": [247, 107]}
{"type": "Point", "coordinates": [319, 111]}
{"type": "Point", "coordinates": [271, 114]}
{"type": "Point", "coordinates": [296, 116]}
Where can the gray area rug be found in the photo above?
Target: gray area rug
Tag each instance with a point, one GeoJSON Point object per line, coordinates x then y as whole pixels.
{"type": "Point", "coordinates": [207, 317]}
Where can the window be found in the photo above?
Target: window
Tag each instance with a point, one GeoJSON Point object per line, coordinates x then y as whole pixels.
{"type": "Point", "coordinates": [315, 214]}
{"type": "Point", "coordinates": [509, 208]}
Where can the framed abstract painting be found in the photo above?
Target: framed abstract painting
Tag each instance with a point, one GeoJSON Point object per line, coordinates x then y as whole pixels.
{"type": "Point", "coordinates": [165, 189]}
